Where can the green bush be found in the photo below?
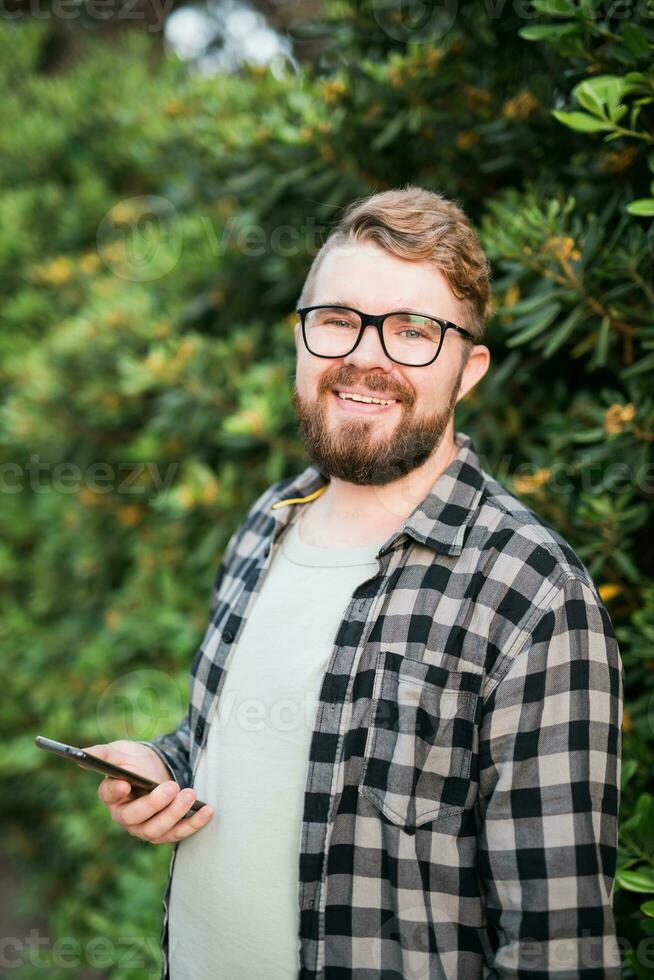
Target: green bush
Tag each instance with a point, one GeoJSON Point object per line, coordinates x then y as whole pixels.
{"type": "Point", "coordinates": [155, 229]}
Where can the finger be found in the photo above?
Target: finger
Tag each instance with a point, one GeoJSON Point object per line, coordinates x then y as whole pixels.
{"type": "Point", "coordinates": [138, 811]}
{"type": "Point", "coordinates": [187, 827]}
{"type": "Point", "coordinates": [102, 751]}
{"type": "Point", "coordinates": [164, 821]}
{"type": "Point", "coordinates": [111, 790]}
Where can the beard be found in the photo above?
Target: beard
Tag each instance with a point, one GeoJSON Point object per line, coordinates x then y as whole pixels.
{"type": "Point", "coordinates": [350, 450]}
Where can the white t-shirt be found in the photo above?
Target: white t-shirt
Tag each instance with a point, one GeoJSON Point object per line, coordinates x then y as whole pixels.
{"type": "Point", "coordinates": [233, 910]}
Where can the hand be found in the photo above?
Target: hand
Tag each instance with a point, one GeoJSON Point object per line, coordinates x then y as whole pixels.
{"type": "Point", "coordinates": [158, 816]}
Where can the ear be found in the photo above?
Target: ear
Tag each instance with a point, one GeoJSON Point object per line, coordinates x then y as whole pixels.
{"type": "Point", "coordinates": [476, 367]}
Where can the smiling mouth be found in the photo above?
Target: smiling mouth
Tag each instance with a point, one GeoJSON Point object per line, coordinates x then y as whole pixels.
{"type": "Point", "coordinates": [363, 404]}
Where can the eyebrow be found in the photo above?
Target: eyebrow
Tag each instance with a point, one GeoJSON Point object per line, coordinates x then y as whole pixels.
{"type": "Point", "coordinates": [348, 303]}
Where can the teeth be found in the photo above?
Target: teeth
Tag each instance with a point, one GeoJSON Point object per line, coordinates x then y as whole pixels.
{"type": "Point", "coordinates": [365, 398]}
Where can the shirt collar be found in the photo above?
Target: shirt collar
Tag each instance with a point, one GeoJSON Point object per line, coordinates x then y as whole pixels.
{"type": "Point", "coordinates": [440, 521]}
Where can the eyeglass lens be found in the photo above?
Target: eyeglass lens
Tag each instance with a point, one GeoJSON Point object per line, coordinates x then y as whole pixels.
{"type": "Point", "coordinates": [409, 337]}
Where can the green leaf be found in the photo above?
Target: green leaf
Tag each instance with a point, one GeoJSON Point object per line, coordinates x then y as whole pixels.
{"type": "Point", "coordinates": [629, 569]}
{"type": "Point", "coordinates": [648, 908]}
{"type": "Point", "coordinates": [563, 331]}
{"type": "Point", "coordinates": [601, 347]}
{"type": "Point", "coordinates": [640, 367]}
{"type": "Point", "coordinates": [635, 39]}
{"type": "Point", "coordinates": [600, 94]}
{"type": "Point", "coordinates": [390, 131]}
{"type": "Point", "coordinates": [555, 8]}
{"type": "Point", "coordinates": [530, 303]}
{"type": "Point", "coordinates": [536, 326]}
{"type": "Point", "coordinates": [641, 880]}
{"type": "Point", "coordinates": [581, 121]}
{"type": "Point", "coordinates": [643, 207]}
{"type": "Point", "coordinates": [542, 32]}
{"type": "Point", "coordinates": [629, 769]}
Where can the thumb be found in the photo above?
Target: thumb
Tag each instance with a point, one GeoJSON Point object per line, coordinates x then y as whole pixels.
{"type": "Point", "coordinates": [102, 751]}
{"type": "Point", "coordinates": [110, 752]}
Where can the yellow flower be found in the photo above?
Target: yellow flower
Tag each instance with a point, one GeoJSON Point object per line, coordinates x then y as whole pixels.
{"type": "Point", "coordinates": [130, 515]}
{"type": "Point", "coordinates": [186, 348]}
{"type": "Point", "coordinates": [115, 318]}
{"type": "Point", "coordinates": [114, 251]}
{"type": "Point", "coordinates": [155, 362]}
{"type": "Point", "coordinates": [615, 161]}
{"type": "Point", "coordinates": [530, 482]}
{"type": "Point", "coordinates": [56, 272]}
{"type": "Point", "coordinates": [89, 262]}
{"type": "Point", "coordinates": [474, 97]}
{"type": "Point", "coordinates": [210, 491]}
{"type": "Point", "coordinates": [562, 248]}
{"type": "Point", "coordinates": [176, 107]}
{"type": "Point", "coordinates": [254, 421]}
{"type": "Point", "coordinates": [520, 106]}
{"type": "Point", "coordinates": [609, 591]}
{"type": "Point", "coordinates": [467, 139]}
{"type": "Point", "coordinates": [91, 498]}
{"type": "Point", "coordinates": [333, 89]}
{"type": "Point", "coordinates": [123, 212]}
{"type": "Point", "coordinates": [186, 497]}
{"type": "Point", "coordinates": [395, 76]}
{"type": "Point", "coordinates": [162, 328]}
{"type": "Point", "coordinates": [511, 296]}
{"type": "Point", "coordinates": [431, 57]}
{"type": "Point", "coordinates": [617, 416]}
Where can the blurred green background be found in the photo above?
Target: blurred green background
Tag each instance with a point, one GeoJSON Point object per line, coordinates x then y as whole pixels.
{"type": "Point", "coordinates": [160, 204]}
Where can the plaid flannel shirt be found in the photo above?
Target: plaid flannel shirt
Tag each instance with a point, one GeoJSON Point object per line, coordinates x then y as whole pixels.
{"type": "Point", "coordinates": [460, 813]}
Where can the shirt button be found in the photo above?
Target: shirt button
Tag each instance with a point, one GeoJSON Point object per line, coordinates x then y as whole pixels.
{"type": "Point", "coordinates": [228, 636]}
{"type": "Point", "coordinates": [310, 903]}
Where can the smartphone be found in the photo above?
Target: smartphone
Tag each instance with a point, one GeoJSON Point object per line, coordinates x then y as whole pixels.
{"type": "Point", "coordinates": [140, 784]}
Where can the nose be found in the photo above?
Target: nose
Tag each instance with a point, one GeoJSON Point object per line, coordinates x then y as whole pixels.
{"type": "Point", "coordinates": [369, 352]}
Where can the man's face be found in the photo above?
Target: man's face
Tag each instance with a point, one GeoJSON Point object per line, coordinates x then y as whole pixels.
{"type": "Point", "coordinates": [375, 444]}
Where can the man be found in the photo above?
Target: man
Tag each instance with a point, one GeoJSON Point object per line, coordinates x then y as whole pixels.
{"type": "Point", "coordinates": [406, 711]}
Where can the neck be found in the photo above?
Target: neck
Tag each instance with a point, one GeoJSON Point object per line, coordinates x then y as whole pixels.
{"type": "Point", "coordinates": [348, 514]}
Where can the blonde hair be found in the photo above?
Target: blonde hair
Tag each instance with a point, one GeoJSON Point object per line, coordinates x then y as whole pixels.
{"type": "Point", "coordinates": [417, 224]}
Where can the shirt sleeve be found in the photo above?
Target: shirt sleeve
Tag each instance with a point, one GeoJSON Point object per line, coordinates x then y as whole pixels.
{"type": "Point", "coordinates": [550, 763]}
{"type": "Point", "coordinates": [173, 748]}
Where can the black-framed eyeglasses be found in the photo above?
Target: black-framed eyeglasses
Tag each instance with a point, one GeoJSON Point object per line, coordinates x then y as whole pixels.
{"type": "Point", "coordinates": [413, 339]}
